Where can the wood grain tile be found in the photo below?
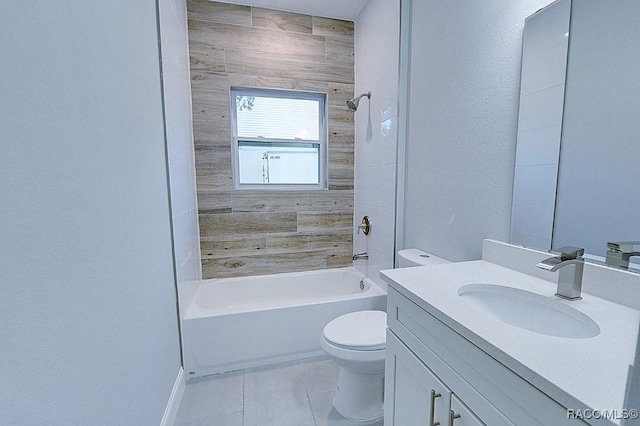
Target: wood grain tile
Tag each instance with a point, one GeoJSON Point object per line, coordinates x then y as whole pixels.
{"type": "Point", "coordinates": [339, 93]}
{"type": "Point", "coordinates": [262, 265]}
{"type": "Point", "coordinates": [211, 132]}
{"type": "Point", "coordinates": [340, 49]}
{"type": "Point", "coordinates": [210, 99]}
{"type": "Point", "coordinates": [214, 201]}
{"type": "Point", "coordinates": [273, 65]}
{"type": "Point", "coordinates": [267, 82]}
{"type": "Point", "coordinates": [285, 21]}
{"type": "Point", "coordinates": [332, 27]}
{"type": "Point", "coordinates": [321, 221]}
{"type": "Point", "coordinates": [340, 177]}
{"type": "Point", "coordinates": [258, 232]}
{"type": "Point", "coordinates": [309, 241]}
{"type": "Point", "coordinates": [341, 136]}
{"type": "Point", "coordinates": [234, 37]}
{"type": "Point", "coordinates": [211, 11]}
{"type": "Point", "coordinates": [341, 157]}
{"type": "Point", "coordinates": [226, 246]}
{"type": "Point", "coordinates": [340, 258]}
{"type": "Point", "coordinates": [247, 223]}
{"type": "Point", "coordinates": [213, 157]}
{"type": "Point", "coordinates": [259, 201]}
{"type": "Point", "coordinates": [206, 58]}
{"type": "Point", "coordinates": [206, 82]}
{"type": "Point", "coordinates": [210, 89]}
{"type": "Point", "coordinates": [214, 180]}
{"type": "Point", "coordinates": [329, 201]}
{"type": "Point", "coordinates": [340, 115]}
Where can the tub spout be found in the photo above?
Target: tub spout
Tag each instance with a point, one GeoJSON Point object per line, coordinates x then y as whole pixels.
{"type": "Point", "coordinates": [358, 256]}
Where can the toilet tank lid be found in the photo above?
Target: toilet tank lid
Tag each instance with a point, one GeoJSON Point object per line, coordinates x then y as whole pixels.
{"type": "Point", "coordinates": [421, 257]}
{"type": "Point", "coordinates": [360, 330]}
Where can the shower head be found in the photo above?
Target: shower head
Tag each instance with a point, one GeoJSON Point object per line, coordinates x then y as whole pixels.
{"type": "Point", "coordinates": [353, 103]}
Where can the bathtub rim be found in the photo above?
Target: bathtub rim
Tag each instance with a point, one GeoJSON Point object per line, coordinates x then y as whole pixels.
{"type": "Point", "coordinates": [194, 312]}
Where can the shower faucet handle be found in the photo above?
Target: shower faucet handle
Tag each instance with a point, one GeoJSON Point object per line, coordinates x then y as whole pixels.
{"type": "Point", "coordinates": [365, 225]}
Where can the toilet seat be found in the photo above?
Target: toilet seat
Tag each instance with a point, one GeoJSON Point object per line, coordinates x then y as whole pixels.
{"type": "Point", "coordinates": [359, 331]}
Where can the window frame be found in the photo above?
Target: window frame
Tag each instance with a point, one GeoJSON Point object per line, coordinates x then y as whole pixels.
{"type": "Point", "coordinates": [322, 138]}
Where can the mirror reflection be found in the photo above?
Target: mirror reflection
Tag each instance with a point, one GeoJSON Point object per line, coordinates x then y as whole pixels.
{"type": "Point", "coordinates": [578, 148]}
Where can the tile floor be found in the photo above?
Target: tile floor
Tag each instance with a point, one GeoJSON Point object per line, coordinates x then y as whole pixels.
{"type": "Point", "coordinates": [297, 393]}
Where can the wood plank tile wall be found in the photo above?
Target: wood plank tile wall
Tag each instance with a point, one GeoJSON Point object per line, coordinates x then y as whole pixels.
{"type": "Point", "coordinates": [249, 232]}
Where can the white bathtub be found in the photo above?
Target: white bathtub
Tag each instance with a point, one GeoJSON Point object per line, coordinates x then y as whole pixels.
{"type": "Point", "coordinates": [235, 323]}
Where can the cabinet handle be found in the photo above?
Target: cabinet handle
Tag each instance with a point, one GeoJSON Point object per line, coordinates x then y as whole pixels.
{"type": "Point", "coordinates": [452, 417]}
{"type": "Point", "coordinates": [432, 408]}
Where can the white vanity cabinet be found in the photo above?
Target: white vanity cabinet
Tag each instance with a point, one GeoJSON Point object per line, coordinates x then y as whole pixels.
{"type": "Point", "coordinates": [418, 397]}
{"type": "Point", "coordinates": [426, 358]}
{"type": "Point", "coordinates": [418, 394]}
{"type": "Point", "coordinates": [461, 415]}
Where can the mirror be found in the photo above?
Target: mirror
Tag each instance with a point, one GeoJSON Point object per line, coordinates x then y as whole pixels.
{"type": "Point", "coordinates": [578, 153]}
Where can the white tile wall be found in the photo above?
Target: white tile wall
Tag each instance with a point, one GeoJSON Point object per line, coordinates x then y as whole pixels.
{"type": "Point", "coordinates": [536, 183]}
{"type": "Point", "coordinates": [375, 185]}
{"type": "Point", "coordinates": [532, 218]}
{"type": "Point", "coordinates": [544, 61]}
{"type": "Point", "coordinates": [177, 104]}
{"type": "Point", "coordinates": [539, 146]}
{"type": "Point", "coordinates": [542, 108]}
{"type": "Point", "coordinates": [377, 47]}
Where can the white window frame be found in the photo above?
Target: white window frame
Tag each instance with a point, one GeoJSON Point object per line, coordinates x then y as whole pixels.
{"type": "Point", "coordinates": [322, 137]}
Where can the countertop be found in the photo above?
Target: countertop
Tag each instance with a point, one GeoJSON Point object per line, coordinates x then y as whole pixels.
{"type": "Point", "coordinates": [589, 373]}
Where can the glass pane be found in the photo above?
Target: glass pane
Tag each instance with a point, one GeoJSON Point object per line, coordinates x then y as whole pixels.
{"type": "Point", "coordinates": [296, 118]}
{"type": "Point", "coordinates": [278, 163]}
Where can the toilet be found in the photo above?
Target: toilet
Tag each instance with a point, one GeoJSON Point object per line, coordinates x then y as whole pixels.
{"type": "Point", "coordinates": [356, 342]}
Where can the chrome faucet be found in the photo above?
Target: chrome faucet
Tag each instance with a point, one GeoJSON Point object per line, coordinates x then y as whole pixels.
{"type": "Point", "coordinates": [569, 279]}
{"type": "Point", "coordinates": [364, 255]}
{"type": "Point", "coordinates": [618, 253]}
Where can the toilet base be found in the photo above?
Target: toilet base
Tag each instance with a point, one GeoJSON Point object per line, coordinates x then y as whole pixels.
{"type": "Point", "coordinates": [359, 397]}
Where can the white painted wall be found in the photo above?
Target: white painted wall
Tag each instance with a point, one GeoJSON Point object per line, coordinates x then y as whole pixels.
{"type": "Point", "coordinates": [377, 40]}
{"type": "Point", "coordinates": [179, 131]}
{"type": "Point", "coordinates": [88, 314]}
{"type": "Point", "coordinates": [462, 123]}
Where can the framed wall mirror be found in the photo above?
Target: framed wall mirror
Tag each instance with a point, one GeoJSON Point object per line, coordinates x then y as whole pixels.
{"type": "Point", "coordinates": [577, 179]}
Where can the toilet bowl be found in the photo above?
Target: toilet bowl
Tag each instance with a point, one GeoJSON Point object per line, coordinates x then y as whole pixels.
{"type": "Point", "coordinates": [356, 342]}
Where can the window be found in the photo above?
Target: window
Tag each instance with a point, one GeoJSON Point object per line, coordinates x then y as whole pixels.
{"type": "Point", "coordinates": [279, 139]}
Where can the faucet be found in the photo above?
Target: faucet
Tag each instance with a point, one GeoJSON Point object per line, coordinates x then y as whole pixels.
{"type": "Point", "coordinates": [363, 255]}
{"type": "Point", "coordinates": [569, 279]}
{"type": "Point", "coordinates": [618, 253]}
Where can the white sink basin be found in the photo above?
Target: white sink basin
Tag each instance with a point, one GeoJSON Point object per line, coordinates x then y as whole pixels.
{"type": "Point", "coordinates": [529, 311]}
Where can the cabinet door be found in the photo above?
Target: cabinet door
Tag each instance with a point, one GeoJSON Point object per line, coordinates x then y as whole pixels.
{"type": "Point", "coordinates": [414, 395]}
{"type": "Point", "coordinates": [460, 415]}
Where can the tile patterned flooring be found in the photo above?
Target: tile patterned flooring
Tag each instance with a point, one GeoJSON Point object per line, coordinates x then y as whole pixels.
{"type": "Point", "coordinates": [297, 393]}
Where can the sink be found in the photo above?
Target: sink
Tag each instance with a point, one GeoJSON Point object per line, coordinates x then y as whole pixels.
{"type": "Point", "coordinates": [529, 311]}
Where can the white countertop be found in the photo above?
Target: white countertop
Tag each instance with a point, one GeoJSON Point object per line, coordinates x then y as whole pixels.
{"type": "Point", "coordinates": [578, 373]}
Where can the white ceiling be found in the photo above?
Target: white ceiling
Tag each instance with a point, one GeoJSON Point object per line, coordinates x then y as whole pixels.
{"type": "Point", "coordinates": [340, 9]}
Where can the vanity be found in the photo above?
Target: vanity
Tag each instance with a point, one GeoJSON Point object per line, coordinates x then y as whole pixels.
{"type": "Point", "coordinates": [487, 342]}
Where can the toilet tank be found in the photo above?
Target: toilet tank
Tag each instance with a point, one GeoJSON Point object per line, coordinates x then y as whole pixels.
{"type": "Point", "coordinates": [414, 257]}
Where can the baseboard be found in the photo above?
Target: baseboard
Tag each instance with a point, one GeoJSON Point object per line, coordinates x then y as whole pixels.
{"type": "Point", "coordinates": [171, 411]}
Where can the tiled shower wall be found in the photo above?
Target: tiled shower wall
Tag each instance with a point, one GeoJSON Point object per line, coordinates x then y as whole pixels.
{"type": "Point", "coordinates": [177, 104]}
{"type": "Point", "coordinates": [377, 40]}
{"type": "Point", "coordinates": [249, 232]}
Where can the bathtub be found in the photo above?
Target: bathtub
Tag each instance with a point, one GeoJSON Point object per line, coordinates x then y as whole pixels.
{"type": "Point", "coordinates": [235, 323]}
